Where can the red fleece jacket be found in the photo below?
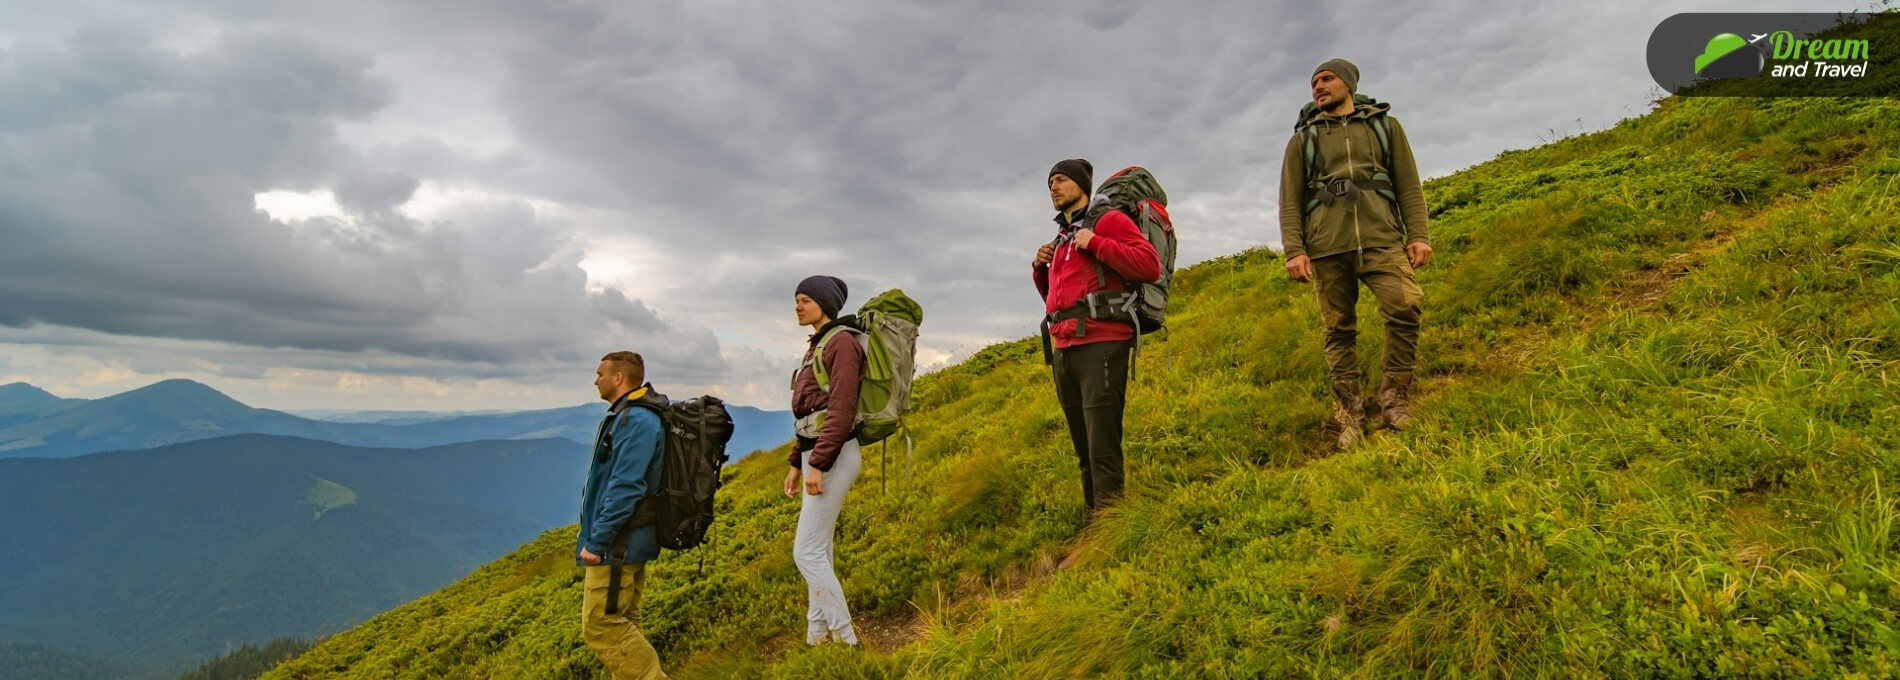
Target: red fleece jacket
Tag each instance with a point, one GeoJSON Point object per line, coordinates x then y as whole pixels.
{"type": "Point", "coordinates": [1070, 277]}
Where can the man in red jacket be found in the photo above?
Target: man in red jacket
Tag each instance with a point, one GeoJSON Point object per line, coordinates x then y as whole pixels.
{"type": "Point", "coordinates": [1101, 253]}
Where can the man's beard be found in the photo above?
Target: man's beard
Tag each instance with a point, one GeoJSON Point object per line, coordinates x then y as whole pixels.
{"type": "Point", "coordinates": [1338, 104]}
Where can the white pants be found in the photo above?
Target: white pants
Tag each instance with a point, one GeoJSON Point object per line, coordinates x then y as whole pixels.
{"type": "Point", "coordinates": [812, 551]}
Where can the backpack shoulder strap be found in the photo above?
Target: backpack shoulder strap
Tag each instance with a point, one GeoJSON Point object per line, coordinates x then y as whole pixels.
{"type": "Point", "coordinates": [650, 407]}
{"type": "Point", "coordinates": [643, 511]}
{"type": "Point", "coordinates": [620, 420]}
{"type": "Point", "coordinates": [1309, 156]}
{"type": "Point", "coordinates": [1134, 214]}
{"type": "Point", "coordinates": [818, 356]}
{"type": "Point", "coordinates": [1090, 218]}
{"type": "Point", "coordinates": [1383, 130]}
{"type": "Point", "coordinates": [604, 436]}
{"type": "Point", "coordinates": [1309, 150]}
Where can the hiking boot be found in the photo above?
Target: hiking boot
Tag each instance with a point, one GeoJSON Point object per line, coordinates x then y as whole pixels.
{"type": "Point", "coordinates": [1395, 400]}
{"type": "Point", "coordinates": [1349, 413]}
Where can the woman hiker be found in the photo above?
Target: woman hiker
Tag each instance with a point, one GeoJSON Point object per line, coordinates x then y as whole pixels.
{"type": "Point", "coordinates": [826, 451]}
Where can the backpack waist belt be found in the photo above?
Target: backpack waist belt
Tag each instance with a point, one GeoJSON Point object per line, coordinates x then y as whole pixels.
{"type": "Point", "coordinates": [1101, 305]}
{"type": "Point", "coordinates": [1327, 192]}
{"type": "Point", "coordinates": [812, 425]}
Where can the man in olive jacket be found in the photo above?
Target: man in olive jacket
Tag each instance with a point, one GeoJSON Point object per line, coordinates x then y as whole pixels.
{"type": "Point", "coordinates": [1352, 210]}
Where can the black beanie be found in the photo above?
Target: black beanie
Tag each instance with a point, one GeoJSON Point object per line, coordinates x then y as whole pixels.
{"type": "Point", "coordinates": [1078, 170]}
{"type": "Point", "coordinates": [828, 291]}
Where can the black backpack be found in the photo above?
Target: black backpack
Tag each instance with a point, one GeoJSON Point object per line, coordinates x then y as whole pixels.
{"type": "Point", "coordinates": [681, 508]}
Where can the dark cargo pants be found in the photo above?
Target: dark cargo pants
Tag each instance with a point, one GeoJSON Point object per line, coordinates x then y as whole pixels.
{"type": "Point", "coordinates": [1388, 273]}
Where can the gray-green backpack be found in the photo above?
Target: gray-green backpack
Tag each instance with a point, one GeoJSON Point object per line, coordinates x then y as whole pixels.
{"type": "Point", "coordinates": [889, 337]}
{"type": "Point", "coordinates": [1137, 193]}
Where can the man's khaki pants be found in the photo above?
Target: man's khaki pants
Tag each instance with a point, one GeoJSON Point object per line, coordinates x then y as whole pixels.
{"type": "Point", "coordinates": [1389, 275]}
{"type": "Point", "coordinates": [616, 637]}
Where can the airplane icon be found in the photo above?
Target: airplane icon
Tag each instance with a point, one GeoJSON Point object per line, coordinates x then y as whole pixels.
{"type": "Point", "coordinates": [1756, 37]}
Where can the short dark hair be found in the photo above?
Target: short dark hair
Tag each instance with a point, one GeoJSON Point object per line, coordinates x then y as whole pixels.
{"type": "Point", "coordinates": [630, 364]}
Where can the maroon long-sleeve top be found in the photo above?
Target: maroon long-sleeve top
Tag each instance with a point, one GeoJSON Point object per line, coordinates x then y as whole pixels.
{"type": "Point", "coordinates": [844, 367]}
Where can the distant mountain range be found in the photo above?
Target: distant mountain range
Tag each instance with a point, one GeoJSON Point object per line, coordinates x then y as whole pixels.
{"type": "Point", "coordinates": [161, 556]}
{"type": "Point", "coordinates": [386, 417]}
{"type": "Point", "coordinates": [20, 402]}
{"type": "Point", "coordinates": [146, 530]}
{"type": "Point", "coordinates": [170, 523]}
{"type": "Point", "coordinates": [37, 424]}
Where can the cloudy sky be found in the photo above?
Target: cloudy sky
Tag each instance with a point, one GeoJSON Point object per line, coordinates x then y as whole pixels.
{"type": "Point", "coordinates": [461, 205]}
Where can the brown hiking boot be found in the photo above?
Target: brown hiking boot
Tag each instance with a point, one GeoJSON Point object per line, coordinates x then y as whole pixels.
{"type": "Point", "coordinates": [1395, 400]}
{"type": "Point", "coordinates": [1349, 413]}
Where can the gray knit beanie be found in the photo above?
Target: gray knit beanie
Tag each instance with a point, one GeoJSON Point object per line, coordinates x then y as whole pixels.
{"type": "Point", "coordinates": [1342, 68]}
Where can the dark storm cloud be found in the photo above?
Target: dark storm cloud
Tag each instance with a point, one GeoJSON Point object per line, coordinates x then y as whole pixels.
{"type": "Point", "coordinates": [127, 206]}
{"type": "Point", "coordinates": [736, 149]}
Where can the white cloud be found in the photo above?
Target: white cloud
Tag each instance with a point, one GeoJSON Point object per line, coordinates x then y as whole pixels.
{"type": "Point", "coordinates": [294, 206]}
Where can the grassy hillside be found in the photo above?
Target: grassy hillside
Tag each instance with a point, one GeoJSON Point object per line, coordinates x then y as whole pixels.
{"type": "Point", "coordinates": [1660, 374]}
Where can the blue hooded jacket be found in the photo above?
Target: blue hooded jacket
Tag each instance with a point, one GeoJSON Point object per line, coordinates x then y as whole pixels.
{"type": "Point", "coordinates": [625, 468]}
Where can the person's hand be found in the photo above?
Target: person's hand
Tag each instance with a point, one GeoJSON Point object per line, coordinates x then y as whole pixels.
{"type": "Point", "coordinates": [1045, 254]}
{"type": "Point", "coordinates": [589, 558]}
{"type": "Point", "coordinates": [815, 482]}
{"type": "Point", "coordinates": [1418, 253]}
{"type": "Point", "coordinates": [791, 483]}
{"type": "Point", "coordinates": [1300, 268]}
{"type": "Point", "coordinates": [1082, 238]}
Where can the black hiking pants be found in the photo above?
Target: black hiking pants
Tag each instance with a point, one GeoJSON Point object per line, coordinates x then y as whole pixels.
{"type": "Point", "coordinates": [1092, 385]}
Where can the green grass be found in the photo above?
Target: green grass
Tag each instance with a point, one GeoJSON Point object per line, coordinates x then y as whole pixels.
{"type": "Point", "coordinates": [324, 495]}
{"type": "Point", "coordinates": [1659, 374]}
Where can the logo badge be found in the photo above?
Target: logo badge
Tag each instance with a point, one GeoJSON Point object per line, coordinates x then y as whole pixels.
{"type": "Point", "coordinates": [1728, 56]}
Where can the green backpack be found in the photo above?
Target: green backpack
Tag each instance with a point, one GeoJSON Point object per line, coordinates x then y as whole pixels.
{"type": "Point", "coordinates": [889, 337]}
{"type": "Point", "coordinates": [1137, 193]}
{"type": "Point", "coordinates": [1381, 182]}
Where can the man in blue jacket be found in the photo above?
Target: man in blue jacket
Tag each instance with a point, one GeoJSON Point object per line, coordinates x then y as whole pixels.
{"type": "Point", "coordinates": [612, 550]}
